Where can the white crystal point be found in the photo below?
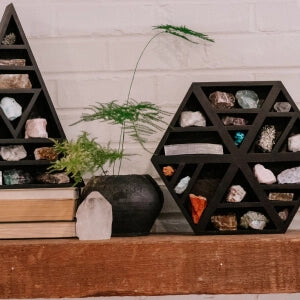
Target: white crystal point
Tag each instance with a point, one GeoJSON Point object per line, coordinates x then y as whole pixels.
{"type": "Point", "coordinates": [182, 185]}
{"type": "Point", "coordinates": [264, 175]}
{"type": "Point", "coordinates": [294, 143]}
{"type": "Point", "coordinates": [289, 176]}
{"type": "Point", "coordinates": [192, 118]}
{"type": "Point", "coordinates": [11, 108]}
{"type": "Point", "coordinates": [13, 152]}
{"type": "Point", "coordinates": [94, 218]}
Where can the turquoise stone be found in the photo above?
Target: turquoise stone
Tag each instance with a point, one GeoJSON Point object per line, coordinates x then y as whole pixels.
{"type": "Point", "coordinates": [15, 176]}
{"type": "Point", "coordinates": [11, 108]}
{"type": "Point", "coordinates": [247, 99]}
{"type": "Point", "coordinates": [238, 138]}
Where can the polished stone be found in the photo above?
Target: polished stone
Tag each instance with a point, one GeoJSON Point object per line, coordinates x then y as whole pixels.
{"type": "Point", "coordinates": [192, 118]}
{"type": "Point", "coordinates": [247, 99]}
{"type": "Point", "coordinates": [254, 220]}
{"type": "Point", "coordinates": [15, 81]}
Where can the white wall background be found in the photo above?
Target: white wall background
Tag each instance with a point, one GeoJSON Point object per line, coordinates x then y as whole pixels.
{"type": "Point", "coordinates": [87, 49]}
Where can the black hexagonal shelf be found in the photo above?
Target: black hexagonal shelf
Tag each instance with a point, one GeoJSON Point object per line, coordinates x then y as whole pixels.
{"type": "Point", "coordinates": [211, 175]}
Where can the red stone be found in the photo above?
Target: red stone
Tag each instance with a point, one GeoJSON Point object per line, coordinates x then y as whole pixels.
{"type": "Point", "coordinates": [198, 204]}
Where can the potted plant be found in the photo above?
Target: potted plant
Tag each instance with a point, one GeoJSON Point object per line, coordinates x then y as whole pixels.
{"type": "Point", "coordinates": [136, 199]}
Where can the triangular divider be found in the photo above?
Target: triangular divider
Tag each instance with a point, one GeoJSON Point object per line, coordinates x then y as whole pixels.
{"type": "Point", "coordinates": [7, 131]}
{"type": "Point", "coordinates": [8, 124]}
{"type": "Point", "coordinates": [177, 174]}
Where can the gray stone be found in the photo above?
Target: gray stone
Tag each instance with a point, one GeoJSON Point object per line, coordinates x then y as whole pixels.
{"type": "Point", "coordinates": [221, 100]}
{"type": "Point", "coordinates": [13, 152]}
{"type": "Point", "coordinates": [0, 177]}
{"type": "Point", "coordinates": [94, 218]}
{"type": "Point", "coordinates": [13, 62]}
{"type": "Point", "coordinates": [196, 148]}
{"type": "Point", "coordinates": [254, 220]}
{"type": "Point", "coordinates": [267, 138]}
{"type": "Point", "coordinates": [15, 81]}
{"type": "Point", "coordinates": [236, 194]}
{"type": "Point", "coordinates": [247, 99]}
{"type": "Point", "coordinates": [281, 196]}
{"type": "Point", "coordinates": [36, 128]}
{"type": "Point", "coordinates": [11, 108]}
{"type": "Point", "coordinates": [289, 176]}
{"type": "Point", "coordinates": [182, 185]}
{"type": "Point", "coordinates": [264, 175]}
{"type": "Point", "coordinates": [282, 106]}
{"type": "Point", "coordinates": [294, 143]}
{"type": "Point", "coordinates": [192, 118]}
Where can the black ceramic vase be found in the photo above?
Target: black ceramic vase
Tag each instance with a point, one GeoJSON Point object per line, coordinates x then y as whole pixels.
{"type": "Point", "coordinates": [136, 201]}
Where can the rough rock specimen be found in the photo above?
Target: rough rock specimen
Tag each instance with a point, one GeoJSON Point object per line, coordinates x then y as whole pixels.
{"type": "Point", "coordinates": [182, 185]}
{"type": "Point", "coordinates": [13, 62]}
{"type": "Point", "coordinates": [264, 175]}
{"type": "Point", "coordinates": [9, 39]}
{"type": "Point", "coordinates": [281, 196]}
{"type": "Point", "coordinates": [228, 120]}
{"type": "Point", "coordinates": [289, 176]}
{"type": "Point", "coordinates": [267, 137]}
{"type": "Point", "coordinates": [36, 128]}
{"type": "Point", "coordinates": [196, 148]}
{"type": "Point", "coordinates": [254, 220]}
{"type": "Point", "coordinates": [47, 153]}
{"type": "Point", "coordinates": [294, 143]}
{"type": "Point", "coordinates": [55, 178]}
{"type": "Point", "coordinates": [15, 176]}
{"type": "Point", "coordinates": [283, 214]}
{"type": "Point", "coordinates": [168, 171]}
{"type": "Point", "coordinates": [13, 152]}
{"type": "Point", "coordinates": [238, 138]}
{"type": "Point", "coordinates": [94, 218]}
{"type": "Point", "coordinates": [15, 81]}
{"type": "Point", "coordinates": [11, 108]}
{"type": "Point", "coordinates": [282, 106]}
{"type": "Point", "coordinates": [192, 118]}
{"type": "Point", "coordinates": [221, 100]}
{"type": "Point", "coordinates": [236, 194]}
{"type": "Point", "coordinates": [0, 177]}
{"type": "Point", "coordinates": [224, 222]}
{"type": "Point", "coordinates": [247, 99]}
{"type": "Point", "coordinates": [198, 204]}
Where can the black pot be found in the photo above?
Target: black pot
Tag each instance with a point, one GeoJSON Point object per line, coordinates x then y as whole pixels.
{"type": "Point", "coordinates": [136, 201]}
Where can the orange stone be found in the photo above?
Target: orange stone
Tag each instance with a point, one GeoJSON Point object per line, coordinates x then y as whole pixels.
{"type": "Point", "coordinates": [198, 204]}
{"type": "Point", "coordinates": [168, 171]}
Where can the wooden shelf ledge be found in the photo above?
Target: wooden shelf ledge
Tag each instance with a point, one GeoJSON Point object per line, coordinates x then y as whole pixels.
{"type": "Point", "coordinates": [152, 265]}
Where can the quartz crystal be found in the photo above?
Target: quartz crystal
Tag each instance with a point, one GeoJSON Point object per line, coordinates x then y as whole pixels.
{"type": "Point", "coordinates": [182, 185]}
{"type": "Point", "coordinates": [198, 205]}
{"type": "Point", "coordinates": [264, 175]}
{"type": "Point", "coordinates": [247, 99]}
{"type": "Point", "coordinates": [282, 106]}
{"type": "Point", "coordinates": [196, 148]}
{"type": "Point", "coordinates": [192, 118]}
{"type": "Point", "coordinates": [289, 176]}
{"type": "Point", "coordinates": [36, 128]}
{"type": "Point", "coordinates": [254, 220]}
{"type": "Point", "coordinates": [281, 196]}
{"type": "Point", "coordinates": [266, 140]}
{"type": "Point", "coordinates": [294, 143]}
{"type": "Point", "coordinates": [13, 152]}
{"type": "Point", "coordinates": [14, 81]}
{"type": "Point", "coordinates": [224, 222]}
{"type": "Point", "coordinates": [221, 100]}
{"type": "Point", "coordinates": [236, 194]}
{"type": "Point", "coordinates": [11, 108]}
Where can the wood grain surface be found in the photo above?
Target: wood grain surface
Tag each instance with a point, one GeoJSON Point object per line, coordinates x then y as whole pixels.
{"type": "Point", "coordinates": [153, 265]}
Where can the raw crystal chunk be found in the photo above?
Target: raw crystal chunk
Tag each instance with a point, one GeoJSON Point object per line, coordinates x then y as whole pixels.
{"type": "Point", "coordinates": [267, 138]}
{"type": "Point", "coordinates": [182, 185]}
{"type": "Point", "coordinates": [247, 99]}
{"type": "Point", "coordinates": [36, 128]}
{"type": "Point", "coordinates": [236, 194]}
{"type": "Point", "coordinates": [282, 106]}
{"type": "Point", "coordinates": [13, 62]}
{"type": "Point", "coordinates": [264, 175]}
{"type": "Point", "coordinates": [14, 81]}
{"type": "Point", "coordinates": [11, 108]}
{"type": "Point", "coordinates": [9, 39]}
{"type": "Point", "coordinates": [198, 205]}
{"type": "Point", "coordinates": [192, 118]}
{"type": "Point", "coordinates": [224, 222]}
{"type": "Point", "coordinates": [13, 152]}
{"type": "Point", "coordinates": [0, 177]}
{"type": "Point", "coordinates": [281, 196]}
{"type": "Point", "coordinates": [196, 148]}
{"type": "Point", "coordinates": [15, 176]}
{"type": "Point", "coordinates": [47, 153]}
{"type": "Point", "coordinates": [294, 143]}
{"type": "Point", "coordinates": [228, 120]}
{"type": "Point", "coordinates": [289, 176]}
{"type": "Point", "coordinates": [221, 100]}
{"type": "Point", "coordinates": [238, 138]}
{"type": "Point", "coordinates": [53, 178]}
{"type": "Point", "coordinates": [168, 171]}
{"type": "Point", "coordinates": [283, 214]}
{"type": "Point", "coordinates": [254, 220]}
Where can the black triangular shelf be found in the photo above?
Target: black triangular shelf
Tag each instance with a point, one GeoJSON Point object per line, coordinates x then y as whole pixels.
{"type": "Point", "coordinates": [212, 175]}
{"type": "Point", "coordinates": [35, 102]}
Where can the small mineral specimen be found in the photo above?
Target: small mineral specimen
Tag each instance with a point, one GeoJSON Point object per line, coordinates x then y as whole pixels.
{"type": "Point", "coordinates": [264, 175]}
{"type": "Point", "coordinates": [289, 176]}
{"type": "Point", "coordinates": [13, 152]}
{"type": "Point", "coordinates": [0, 177]}
{"type": "Point", "coordinates": [238, 138]}
{"type": "Point", "coordinates": [196, 148]}
{"type": "Point", "coordinates": [9, 39]}
{"type": "Point", "coordinates": [224, 222]}
{"type": "Point", "coordinates": [266, 140]}
{"type": "Point", "coordinates": [36, 128]}
{"type": "Point", "coordinates": [198, 205]}
{"type": "Point", "coordinates": [282, 106]}
{"type": "Point", "coordinates": [15, 81]}
{"type": "Point", "coordinates": [53, 178]}
{"type": "Point", "coordinates": [47, 153]}
{"type": "Point", "coordinates": [254, 220]}
{"type": "Point", "coordinates": [192, 118]}
{"type": "Point", "coordinates": [182, 185]}
{"type": "Point", "coordinates": [13, 62]}
{"type": "Point", "coordinates": [294, 143]}
{"type": "Point", "coordinates": [168, 171]}
{"type": "Point", "coordinates": [221, 100]}
{"type": "Point", "coordinates": [228, 120]}
{"type": "Point", "coordinates": [283, 214]}
{"type": "Point", "coordinates": [247, 99]}
{"type": "Point", "coordinates": [236, 194]}
{"type": "Point", "coordinates": [11, 108]}
{"type": "Point", "coordinates": [281, 196]}
{"type": "Point", "coordinates": [15, 176]}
